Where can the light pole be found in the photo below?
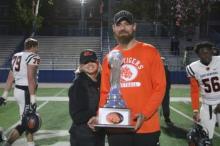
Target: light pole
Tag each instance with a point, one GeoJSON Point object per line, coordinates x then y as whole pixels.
{"type": "Point", "coordinates": [82, 21]}
{"type": "Point", "coordinates": [35, 8]}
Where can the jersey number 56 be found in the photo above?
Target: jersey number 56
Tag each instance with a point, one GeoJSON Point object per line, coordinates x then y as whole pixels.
{"type": "Point", "coordinates": [211, 84]}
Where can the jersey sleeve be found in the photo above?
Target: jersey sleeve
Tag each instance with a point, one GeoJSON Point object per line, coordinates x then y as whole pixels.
{"type": "Point", "coordinates": [33, 59]}
{"type": "Point", "coordinates": [189, 71]}
{"type": "Point", "coordinates": [194, 87]}
{"type": "Point", "coordinates": [194, 92]}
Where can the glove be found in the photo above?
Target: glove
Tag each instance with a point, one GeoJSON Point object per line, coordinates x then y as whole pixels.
{"type": "Point", "coordinates": [2, 101]}
{"type": "Point", "coordinates": [30, 108]}
{"type": "Point", "coordinates": [217, 109]}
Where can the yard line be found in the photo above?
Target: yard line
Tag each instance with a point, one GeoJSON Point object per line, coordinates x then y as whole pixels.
{"type": "Point", "coordinates": [188, 117]}
{"type": "Point", "coordinates": [60, 92]}
{"type": "Point", "coordinates": [39, 107]}
{"type": "Point", "coordinates": [45, 134]}
{"type": "Point", "coordinates": [63, 98]}
{"type": "Point", "coordinates": [46, 98]}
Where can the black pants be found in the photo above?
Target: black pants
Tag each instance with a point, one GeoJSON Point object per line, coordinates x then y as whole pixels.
{"type": "Point", "coordinates": [82, 135]}
{"type": "Point", "coordinates": [166, 104]}
{"type": "Point", "coordinates": [134, 139]}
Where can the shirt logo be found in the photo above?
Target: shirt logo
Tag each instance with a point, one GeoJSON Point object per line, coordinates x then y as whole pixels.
{"type": "Point", "coordinates": [87, 53]}
{"type": "Point", "coordinates": [128, 73]}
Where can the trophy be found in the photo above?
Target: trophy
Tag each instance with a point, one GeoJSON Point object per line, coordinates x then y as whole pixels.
{"type": "Point", "coordinates": [114, 114]}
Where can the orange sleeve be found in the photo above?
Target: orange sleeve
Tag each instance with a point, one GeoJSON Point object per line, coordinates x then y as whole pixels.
{"type": "Point", "coordinates": [194, 86]}
{"type": "Point", "coordinates": [158, 83]}
{"type": "Point", "coordinates": [105, 82]}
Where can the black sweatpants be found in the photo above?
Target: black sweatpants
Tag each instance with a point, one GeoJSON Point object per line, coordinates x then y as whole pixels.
{"type": "Point", "coordinates": [134, 139]}
{"type": "Point", "coordinates": [82, 135]}
{"type": "Point", "coordinates": [166, 104]}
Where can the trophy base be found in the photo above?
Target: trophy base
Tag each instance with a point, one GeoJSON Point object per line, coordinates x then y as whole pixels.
{"type": "Point", "coordinates": [113, 116]}
{"type": "Point", "coordinates": [115, 128]}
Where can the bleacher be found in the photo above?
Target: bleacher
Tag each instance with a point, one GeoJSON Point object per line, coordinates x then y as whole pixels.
{"type": "Point", "coordinates": [60, 54]}
{"type": "Point", "coordinates": [7, 46]}
{"type": "Point", "coordinates": [63, 52]}
{"type": "Point", "coordinates": [56, 52]}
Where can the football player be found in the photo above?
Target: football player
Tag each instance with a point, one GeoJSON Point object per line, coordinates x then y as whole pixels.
{"type": "Point", "coordinates": [204, 76]}
{"type": "Point", "coordinates": [24, 72]}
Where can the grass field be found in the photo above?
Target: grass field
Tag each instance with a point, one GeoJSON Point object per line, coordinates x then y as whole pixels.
{"type": "Point", "coordinates": [56, 121]}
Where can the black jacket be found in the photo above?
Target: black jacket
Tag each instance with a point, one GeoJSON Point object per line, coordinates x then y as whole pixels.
{"type": "Point", "coordinates": [83, 98]}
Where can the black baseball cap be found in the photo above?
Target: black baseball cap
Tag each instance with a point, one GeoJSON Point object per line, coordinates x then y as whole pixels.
{"type": "Point", "coordinates": [123, 15]}
{"type": "Point", "coordinates": [87, 55]}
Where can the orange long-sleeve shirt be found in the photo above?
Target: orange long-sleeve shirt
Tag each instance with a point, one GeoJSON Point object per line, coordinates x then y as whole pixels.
{"type": "Point", "coordinates": [142, 83]}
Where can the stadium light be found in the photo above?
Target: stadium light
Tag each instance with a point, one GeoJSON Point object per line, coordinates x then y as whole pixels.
{"type": "Point", "coordinates": [82, 2]}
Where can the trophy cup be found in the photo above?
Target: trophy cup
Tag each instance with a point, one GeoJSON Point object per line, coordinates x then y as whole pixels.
{"type": "Point", "coordinates": [114, 114]}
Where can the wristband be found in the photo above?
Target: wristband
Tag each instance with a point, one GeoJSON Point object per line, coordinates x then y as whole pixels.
{"type": "Point", "coordinates": [195, 111]}
{"type": "Point", "coordinates": [33, 99]}
{"type": "Point", "coordinates": [5, 94]}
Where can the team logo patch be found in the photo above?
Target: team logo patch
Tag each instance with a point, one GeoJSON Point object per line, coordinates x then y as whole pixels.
{"type": "Point", "coordinates": [128, 72]}
{"type": "Point", "coordinates": [87, 53]}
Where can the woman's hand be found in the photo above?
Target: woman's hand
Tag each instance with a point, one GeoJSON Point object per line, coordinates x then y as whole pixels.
{"type": "Point", "coordinates": [92, 122]}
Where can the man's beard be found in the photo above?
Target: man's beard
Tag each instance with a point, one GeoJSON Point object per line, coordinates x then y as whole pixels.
{"type": "Point", "coordinates": [125, 39]}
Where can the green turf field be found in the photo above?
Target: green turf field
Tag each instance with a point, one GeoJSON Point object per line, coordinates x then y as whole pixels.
{"type": "Point", "coordinates": [56, 121]}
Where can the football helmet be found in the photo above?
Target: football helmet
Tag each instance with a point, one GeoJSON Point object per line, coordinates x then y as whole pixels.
{"type": "Point", "coordinates": [197, 136]}
{"type": "Point", "coordinates": [32, 122]}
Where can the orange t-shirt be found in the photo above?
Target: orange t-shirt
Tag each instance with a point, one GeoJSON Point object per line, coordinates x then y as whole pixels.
{"type": "Point", "coordinates": [142, 83]}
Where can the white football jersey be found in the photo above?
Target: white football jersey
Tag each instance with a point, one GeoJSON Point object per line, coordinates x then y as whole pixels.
{"type": "Point", "coordinates": [19, 64]}
{"type": "Point", "coordinates": [208, 78]}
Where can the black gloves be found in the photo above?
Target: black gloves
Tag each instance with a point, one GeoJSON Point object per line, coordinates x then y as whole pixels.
{"type": "Point", "coordinates": [30, 108]}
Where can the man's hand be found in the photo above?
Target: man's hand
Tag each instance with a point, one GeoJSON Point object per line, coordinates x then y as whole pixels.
{"type": "Point", "coordinates": [140, 120]}
{"type": "Point", "coordinates": [30, 108]}
{"type": "Point", "coordinates": [2, 101]}
{"type": "Point", "coordinates": [217, 109]}
{"type": "Point", "coordinates": [92, 121]}
{"type": "Point", "coordinates": [196, 116]}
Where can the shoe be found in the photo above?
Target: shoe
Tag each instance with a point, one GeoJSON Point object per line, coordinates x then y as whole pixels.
{"type": "Point", "coordinates": [2, 137]}
{"type": "Point", "coordinates": [169, 122]}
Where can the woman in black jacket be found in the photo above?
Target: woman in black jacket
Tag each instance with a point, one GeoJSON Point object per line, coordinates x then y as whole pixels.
{"type": "Point", "coordinates": [84, 100]}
